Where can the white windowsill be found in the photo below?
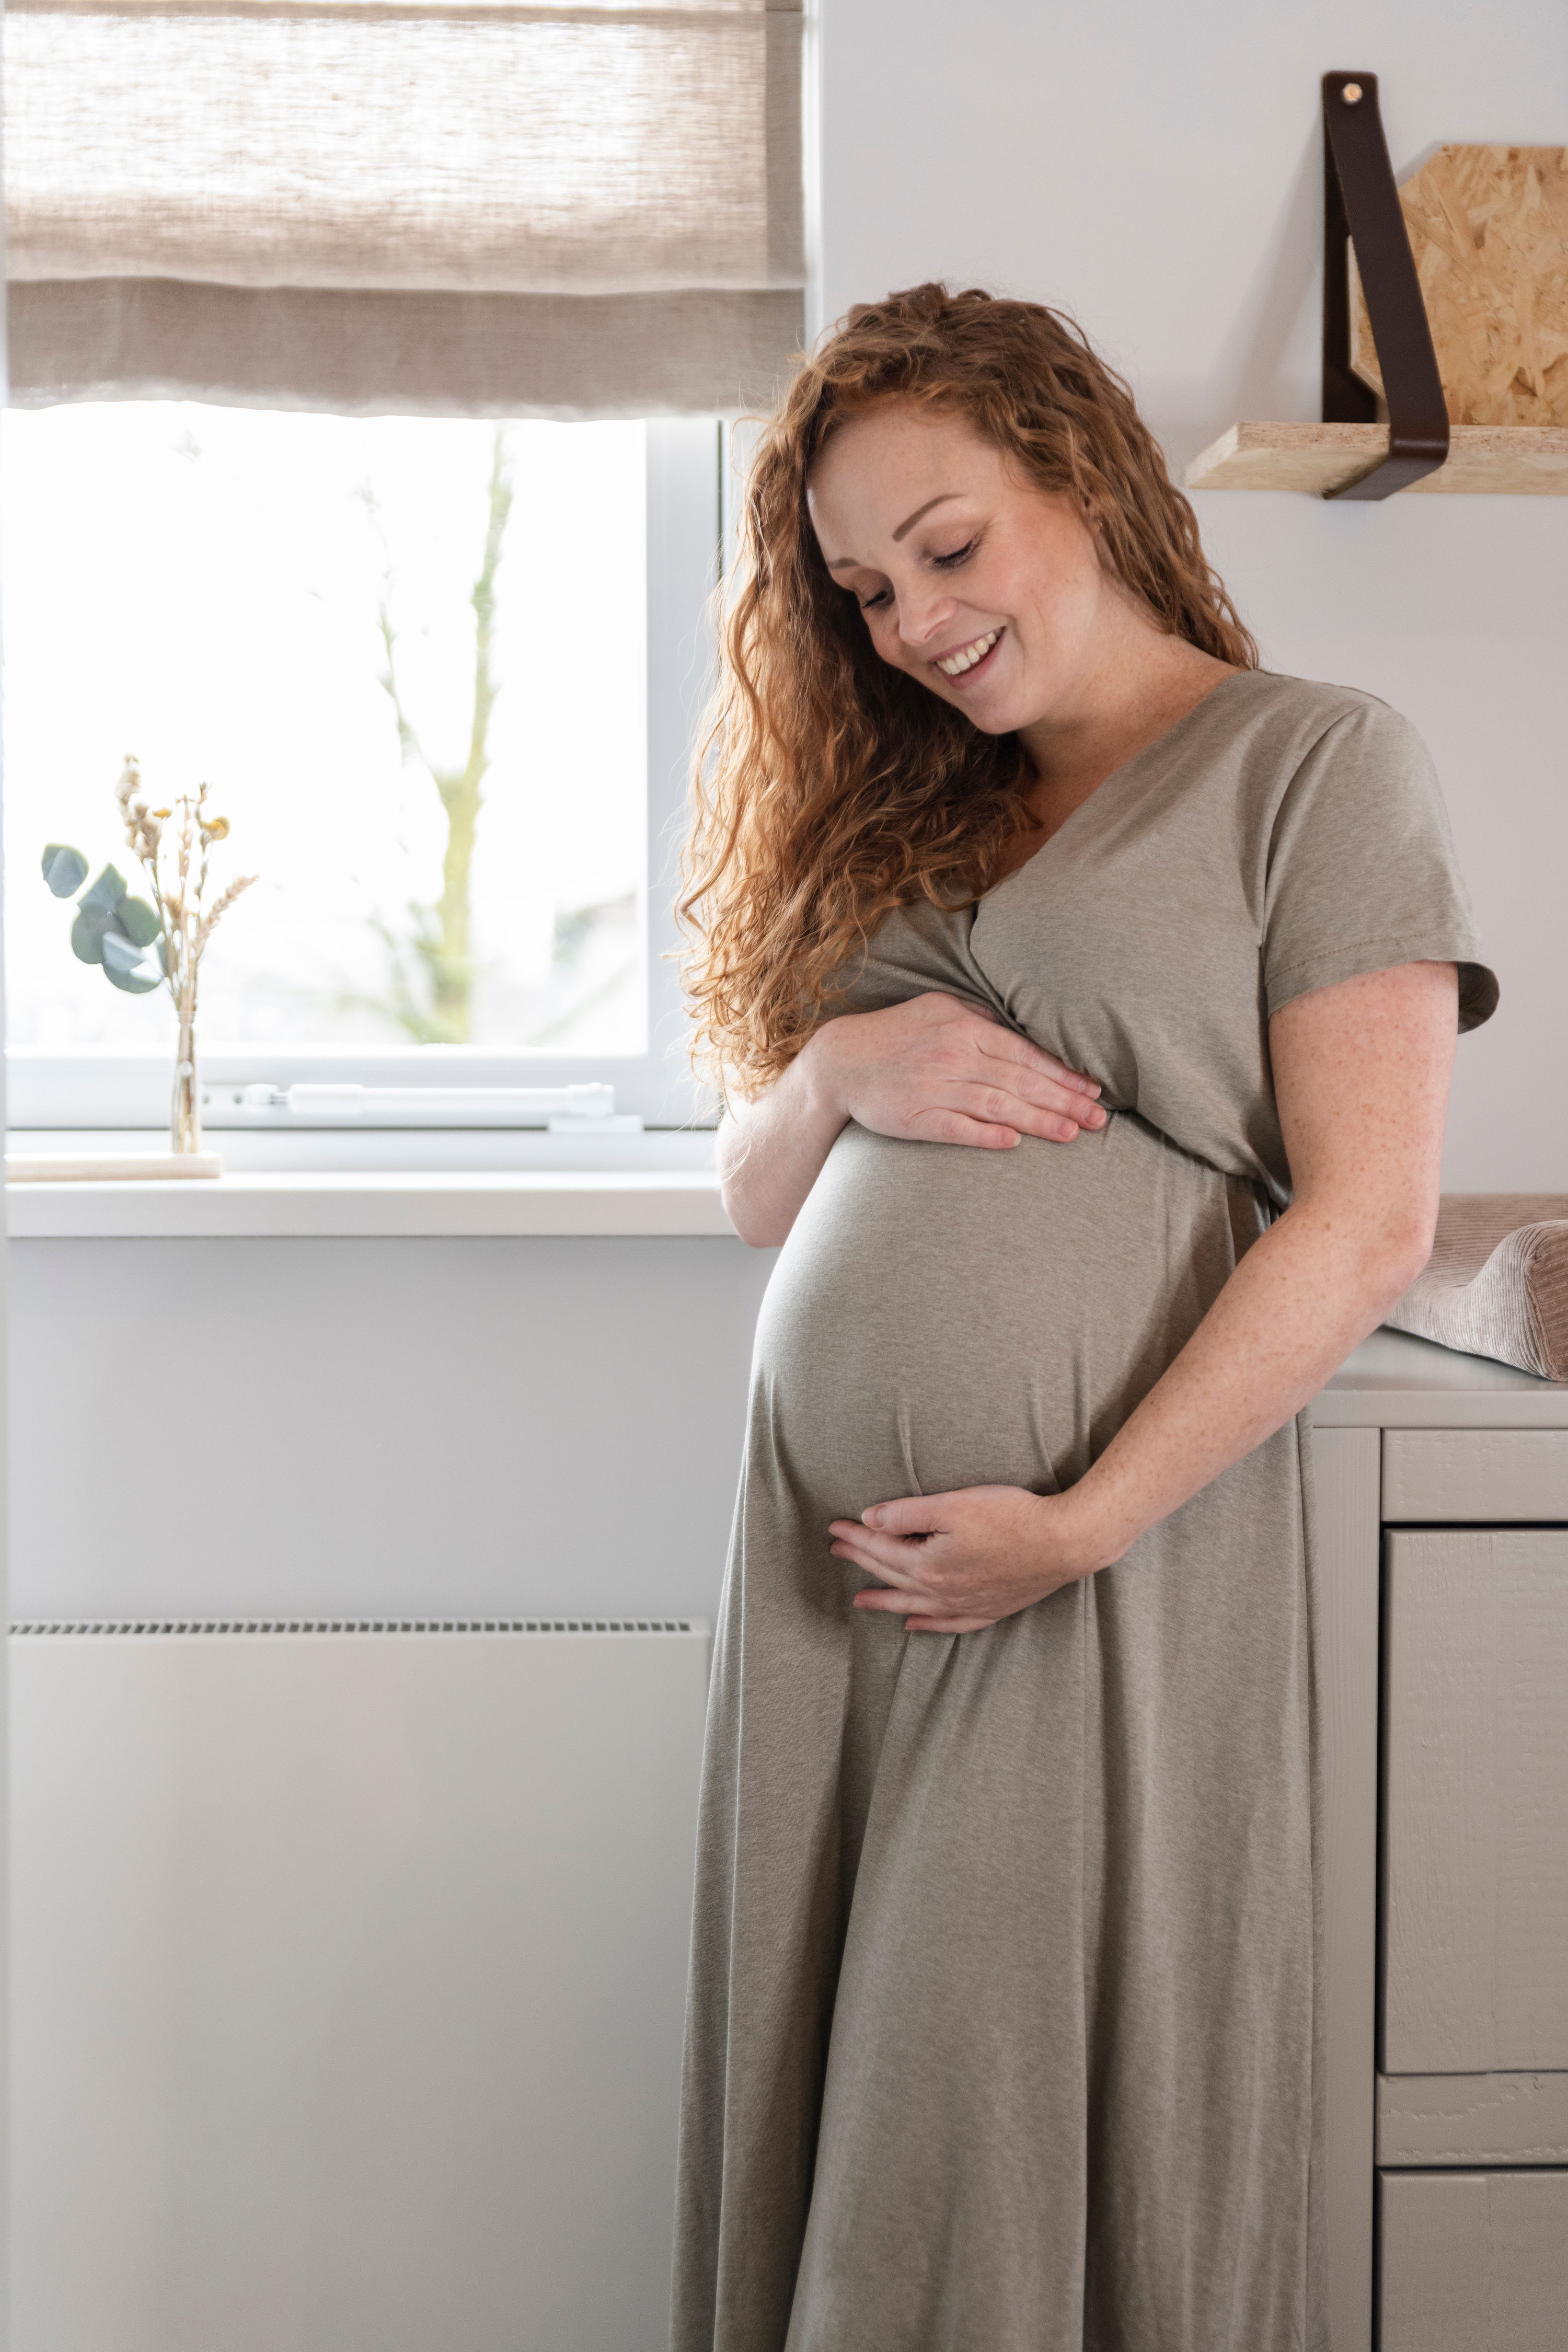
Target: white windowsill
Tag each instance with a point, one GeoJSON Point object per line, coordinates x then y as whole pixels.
{"type": "Point", "coordinates": [651, 1184]}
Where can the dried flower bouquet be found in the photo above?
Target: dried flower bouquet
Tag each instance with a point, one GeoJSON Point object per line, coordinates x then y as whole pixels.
{"type": "Point", "coordinates": [140, 947]}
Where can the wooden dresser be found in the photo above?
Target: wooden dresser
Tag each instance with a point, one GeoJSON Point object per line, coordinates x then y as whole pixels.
{"type": "Point", "coordinates": [1442, 1518]}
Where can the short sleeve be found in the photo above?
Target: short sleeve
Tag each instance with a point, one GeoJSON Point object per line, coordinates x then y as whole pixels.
{"type": "Point", "coordinates": [1362, 873]}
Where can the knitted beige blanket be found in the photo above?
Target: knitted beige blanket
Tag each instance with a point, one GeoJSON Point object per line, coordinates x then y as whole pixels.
{"type": "Point", "coordinates": [1497, 1281]}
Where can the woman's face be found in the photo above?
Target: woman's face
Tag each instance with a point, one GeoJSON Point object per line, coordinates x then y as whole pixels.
{"type": "Point", "coordinates": [987, 591]}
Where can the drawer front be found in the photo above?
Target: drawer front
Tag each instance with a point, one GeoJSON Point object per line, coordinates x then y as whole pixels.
{"type": "Point", "coordinates": [1474, 2261]}
{"type": "Point", "coordinates": [1474, 1473]}
{"type": "Point", "coordinates": [1475, 1802]}
{"type": "Point", "coordinates": [1472, 2119]}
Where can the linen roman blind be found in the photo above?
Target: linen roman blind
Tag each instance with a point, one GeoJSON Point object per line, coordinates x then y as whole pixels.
{"type": "Point", "coordinates": [439, 207]}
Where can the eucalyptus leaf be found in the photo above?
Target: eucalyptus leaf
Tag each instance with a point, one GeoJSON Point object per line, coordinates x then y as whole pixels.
{"type": "Point", "coordinates": [134, 983]}
{"type": "Point", "coordinates": [88, 930]}
{"type": "Point", "coordinates": [106, 892]}
{"type": "Point", "coordinates": [120, 954]}
{"type": "Point", "coordinates": [65, 869]}
{"type": "Point", "coordinates": [138, 920]}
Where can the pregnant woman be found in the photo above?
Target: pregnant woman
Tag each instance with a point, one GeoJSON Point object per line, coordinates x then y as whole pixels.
{"type": "Point", "coordinates": [1085, 999]}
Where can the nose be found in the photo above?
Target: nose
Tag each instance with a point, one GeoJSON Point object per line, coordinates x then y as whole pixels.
{"type": "Point", "coordinates": [923, 610]}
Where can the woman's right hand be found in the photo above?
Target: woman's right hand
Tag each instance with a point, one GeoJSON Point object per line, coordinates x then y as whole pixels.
{"type": "Point", "coordinates": [932, 1070]}
{"type": "Point", "coordinates": [936, 1070]}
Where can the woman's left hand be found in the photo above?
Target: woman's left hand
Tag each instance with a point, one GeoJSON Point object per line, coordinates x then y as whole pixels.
{"type": "Point", "coordinates": [955, 1563]}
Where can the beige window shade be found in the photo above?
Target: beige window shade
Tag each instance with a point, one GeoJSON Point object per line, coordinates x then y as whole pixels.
{"type": "Point", "coordinates": [583, 210]}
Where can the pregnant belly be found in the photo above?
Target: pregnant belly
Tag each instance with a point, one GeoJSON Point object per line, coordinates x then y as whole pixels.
{"type": "Point", "coordinates": [943, 1317]}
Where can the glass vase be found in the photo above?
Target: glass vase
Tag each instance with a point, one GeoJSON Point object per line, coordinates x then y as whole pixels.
{"type": "Point", "coordinates": [185, 1112]}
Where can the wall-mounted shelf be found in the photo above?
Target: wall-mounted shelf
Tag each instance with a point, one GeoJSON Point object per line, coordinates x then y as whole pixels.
{"type": "Point", "coordinates": [1495, 460]}
{"type": "Point", "coordinates": [1444, 326]}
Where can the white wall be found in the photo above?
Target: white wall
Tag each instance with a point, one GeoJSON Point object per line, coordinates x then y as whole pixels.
{"type": "Point", "coordinates": [358, 1427]}
{"type": "Point", "coordinates": [1156, 170]}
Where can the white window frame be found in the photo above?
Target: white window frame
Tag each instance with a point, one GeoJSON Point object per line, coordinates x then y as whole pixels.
{"type": "Point", "coordinates": [103, 1091]}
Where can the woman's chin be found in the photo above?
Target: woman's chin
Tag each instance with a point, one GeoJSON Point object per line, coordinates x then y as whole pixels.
{"type": "Point", "coordinates": [995, 713]}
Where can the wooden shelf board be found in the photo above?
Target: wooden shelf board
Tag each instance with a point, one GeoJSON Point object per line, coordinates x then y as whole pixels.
{"type": "Point", "coordinates": [1495, 460]}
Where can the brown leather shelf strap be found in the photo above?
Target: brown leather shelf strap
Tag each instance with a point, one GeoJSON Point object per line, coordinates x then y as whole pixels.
{"type": "Point", "coordinates": [1361, 207]}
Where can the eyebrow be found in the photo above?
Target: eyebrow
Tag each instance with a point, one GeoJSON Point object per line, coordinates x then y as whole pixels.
{"type": "Point", "coordinates": [940, 499]}
{"type": "Point", "coordinates": [849, 563]}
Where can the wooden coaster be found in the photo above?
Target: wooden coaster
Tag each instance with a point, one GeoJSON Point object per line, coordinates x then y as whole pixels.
{"type": "Point", "coordinates": [101, 1167]}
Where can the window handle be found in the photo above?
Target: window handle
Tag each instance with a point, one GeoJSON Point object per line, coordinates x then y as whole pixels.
{"type": "Point", "coordinates": [564, 1110]}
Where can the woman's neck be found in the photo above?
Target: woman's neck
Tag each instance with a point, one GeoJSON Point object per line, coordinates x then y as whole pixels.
{"type": "Point", "coordinates": [1073, 754]}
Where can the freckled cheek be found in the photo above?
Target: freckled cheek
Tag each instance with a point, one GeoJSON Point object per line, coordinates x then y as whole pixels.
{"type": "Point", "coordinates": [1068, 610]}
{"type": "Point", "coordinates": [1049, 630]}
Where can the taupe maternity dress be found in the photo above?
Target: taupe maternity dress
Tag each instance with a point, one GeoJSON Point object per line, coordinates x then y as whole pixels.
{"type": "Point", "coordinates": [1003, 2021]}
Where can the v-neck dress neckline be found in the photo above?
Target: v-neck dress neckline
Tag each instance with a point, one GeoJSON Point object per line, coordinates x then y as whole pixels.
{"type": "Point", "coordinates": [1163, 744]}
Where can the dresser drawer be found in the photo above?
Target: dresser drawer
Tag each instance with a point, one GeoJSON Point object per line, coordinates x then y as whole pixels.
{"type": "Point", "coordinates": [1472, 2120]}
{"type": "Point", "coordinates": [1474, 2261]}
{"type": "Point", "coordinates": [1474, 1473]}
{"type": "Point", "coordinates": [1475, 1802]}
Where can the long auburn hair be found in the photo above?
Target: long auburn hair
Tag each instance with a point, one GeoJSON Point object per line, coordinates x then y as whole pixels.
{"type": "Point", "coordinates": [830, 787]}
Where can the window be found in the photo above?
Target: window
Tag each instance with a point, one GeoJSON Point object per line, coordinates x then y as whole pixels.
{"type": "Point", "coordinates": [284, 606]}
{"type": "Point", "coordinates": [287, 285]}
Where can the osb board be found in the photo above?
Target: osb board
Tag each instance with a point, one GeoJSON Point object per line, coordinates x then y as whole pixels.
{"type": "Point", "coordinates": [1488, 228]}
{"type": "Point", "coordinates": [1511, 460]}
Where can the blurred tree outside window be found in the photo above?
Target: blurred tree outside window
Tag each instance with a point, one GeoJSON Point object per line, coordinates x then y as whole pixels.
{"type": "Point", "coordinates": [409, 657]}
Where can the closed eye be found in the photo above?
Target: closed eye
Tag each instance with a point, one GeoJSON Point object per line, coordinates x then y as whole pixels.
{"type": "Point", "coordinates": [884, 596]}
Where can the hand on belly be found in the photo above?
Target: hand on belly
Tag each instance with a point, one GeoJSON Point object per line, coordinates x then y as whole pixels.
{"type": "Point", "coordinates": [955, 1563]}
{"type": "Point", "coordinates": [937, 1069]}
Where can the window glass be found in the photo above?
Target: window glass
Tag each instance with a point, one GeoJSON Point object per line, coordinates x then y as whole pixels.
{"type": "Point", "coordinates": [283, 606]}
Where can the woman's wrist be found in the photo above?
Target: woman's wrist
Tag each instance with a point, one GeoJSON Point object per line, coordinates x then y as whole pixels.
{"type": "Point", "coordinates": [820, 1079]}
{"type": "Point", "coordinates": [1080, 1530]}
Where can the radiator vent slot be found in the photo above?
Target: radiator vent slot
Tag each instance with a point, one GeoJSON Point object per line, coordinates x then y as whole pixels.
{"type": "Point", "coordinates": [199, 1626]}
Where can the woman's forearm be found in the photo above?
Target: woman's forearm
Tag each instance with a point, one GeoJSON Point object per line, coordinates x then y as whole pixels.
{"type": "Point", "coordinates": [1361, 1074]}
{"type": "Point", "coordinates": [770, 1150]}
{"type": "Point", "coordinates": [1301, 1299]}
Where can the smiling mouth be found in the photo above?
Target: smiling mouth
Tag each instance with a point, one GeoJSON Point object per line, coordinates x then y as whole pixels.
{"type": "Point", "coordinates": [970, 658]}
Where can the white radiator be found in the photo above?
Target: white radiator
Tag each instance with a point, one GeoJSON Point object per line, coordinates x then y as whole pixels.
{"type": "Point", "coordinates": [349, 1967]}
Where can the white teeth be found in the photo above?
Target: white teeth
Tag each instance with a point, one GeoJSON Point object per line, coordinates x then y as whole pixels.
{"type": "Point", "coordinates": [956, 664]}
